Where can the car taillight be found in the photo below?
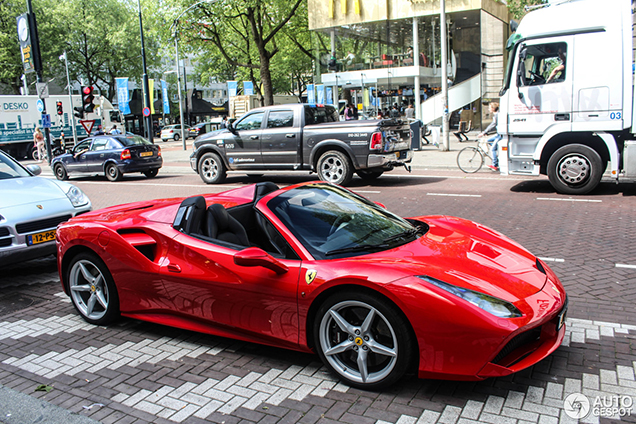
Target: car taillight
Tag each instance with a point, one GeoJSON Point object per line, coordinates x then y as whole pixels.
{"type": "Point", "coordinates": [125, 154]}
{"type": "Point", "coordinates": [159, 152]}
{"type": "Point", "coordinates": [376, 141]}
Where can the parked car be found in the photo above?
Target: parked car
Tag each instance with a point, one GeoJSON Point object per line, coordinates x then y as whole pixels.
{"type": "Point", "coordinates": [30, 209]}
{"type": "Point", "coordinates": [204, 127]}
{"type": "Point", "coordinates": [111, 155]}
{"type": "Point", "coordinates": [174, 132]}
{"type": "Point", "coordinates": [316, 267]}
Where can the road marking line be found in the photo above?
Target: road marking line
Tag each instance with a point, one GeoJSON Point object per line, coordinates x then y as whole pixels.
{"type": "Point", "coordinates": [625, 266]}
{"type": "Point", "coordinates": [569, 200]}
{"type": "Point", "coordinates": [453, 195]}
{"type": "Point", "coordinates": [152, 184]}
{"type": "Point", "coordinates": [552, 259]}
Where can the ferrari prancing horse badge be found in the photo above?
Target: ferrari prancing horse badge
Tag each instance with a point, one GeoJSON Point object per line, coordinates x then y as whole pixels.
{"type": "Point", "coordinates": [310, 275]}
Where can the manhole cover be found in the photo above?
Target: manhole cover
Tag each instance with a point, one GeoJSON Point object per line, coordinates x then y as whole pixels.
{"type": "Point", "coordinates": [16, 301]}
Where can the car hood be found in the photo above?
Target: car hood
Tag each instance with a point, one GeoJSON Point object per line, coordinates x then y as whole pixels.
{"type": "Point", "coordinates": [27, 190]}
{"type": "Point", "coordinates": [469, 255]}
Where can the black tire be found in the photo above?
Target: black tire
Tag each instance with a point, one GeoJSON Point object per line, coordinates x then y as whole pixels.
{"type": "Point", "coordinates": [211, 168]}
{"type": "Point", "coordinates": [112, 172]}
{"type": "Point", "coordinates": [60, 172]}
{"type": "Point", "coordinates": [151, 173]}
{"type": "Point", "coordinates": [176, 137]}
{"type": "Point", "coordinates": [92, 290]}
{"type": "Point", "coordinates": [385, 346]}
{"type": "Point", "coordinates": [335, 167]}
{"type": "Point", "coordinates": [470, 160]}
{"type": "Point", "coordinates": [575, 169]}
{"type": "Point", "coordinates": [369, 175]}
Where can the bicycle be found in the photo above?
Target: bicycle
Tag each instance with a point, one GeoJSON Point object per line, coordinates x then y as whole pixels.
{"type": "Point", "coordinates": [39, 152]}
{"type": "Point", "coordinates": [471, 159]}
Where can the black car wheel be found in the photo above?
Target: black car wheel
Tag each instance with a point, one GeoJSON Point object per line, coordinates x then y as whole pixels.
{"type": "Point", "coordinates": [211, 168]}
{"type": "Point", "coordinates": [575, 169]}
{"type": "Point", "coordinates": [60, 172]}
{"type": "Point", "coordinates": [369, 175]}
{"type": "Point", "coordinates": [363, 339]}
{"type": "Point", "coordinates": [112, 172]}
{"type": "Point", "coordinates": [92, 289]}
{"type": "Point", "coordinates": [335, 167]}
{"type": "Point", "coordinates": [151, 173]}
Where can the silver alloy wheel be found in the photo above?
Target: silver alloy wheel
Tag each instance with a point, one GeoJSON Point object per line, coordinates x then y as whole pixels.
{"type": "Point", "coordinates": [333, 169]}
{"type": "Point", "coordinates": [358, 341]}
{"type": "Point", "coordinates": [573, 169]}
{"type": "Point", "coordinates": [88, 289]}
{"type": "Point", "coordinates": [210, 168]}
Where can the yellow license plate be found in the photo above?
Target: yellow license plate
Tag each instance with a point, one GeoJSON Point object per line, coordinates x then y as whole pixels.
{"type": "Point", "coordinates": [397, 155]}
{"type": "Point", "coordinates": [42, 237]}
{"type": "Point", "coordinates": [144, 154]}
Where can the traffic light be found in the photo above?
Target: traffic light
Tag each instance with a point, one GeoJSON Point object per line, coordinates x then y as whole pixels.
{"type": "Point", "coordinates": [79, 112]}
{"type": "Point", "coordinates": [60, 111]}
{"type": "Point", "coordinates": [87, 99]}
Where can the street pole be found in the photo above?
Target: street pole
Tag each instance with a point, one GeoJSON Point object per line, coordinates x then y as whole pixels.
{"type": "Point", "coordinates": [176, 49]}
{"type": "Point", "coordinates": [147, 119]}
{"type": "Point", "coordinates": [70, 99]}
{"type": "Point", "coordinates": [445, 127]}
{"type": "Point", "coordinates": [185, 89]}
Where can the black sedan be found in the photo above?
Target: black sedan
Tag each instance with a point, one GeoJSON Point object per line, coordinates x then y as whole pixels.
{"type": "Point", "coordinates": [112, 155]}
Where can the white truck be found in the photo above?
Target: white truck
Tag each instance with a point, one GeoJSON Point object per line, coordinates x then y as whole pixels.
{"type": "Point", "coordinates": [567, 104]}
{"type": "Point", "coordinates": [19, 116]}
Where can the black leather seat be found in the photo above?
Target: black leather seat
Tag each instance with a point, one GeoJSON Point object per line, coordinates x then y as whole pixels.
{"type": "Point", "coordinates": [190, 216]}
{"type": "Point", "coordinates": [222, 226]}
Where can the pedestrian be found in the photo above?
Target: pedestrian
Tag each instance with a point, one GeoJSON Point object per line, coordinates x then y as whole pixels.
{"type": "Point", "coordinates": [395, 112]}
{"type": "Point", "coordinates": [224, 122]}
{"type": "Point", "coordinates": [410, 112]}
{"type": "Point", "coordinates": [349, 112]}
{"type": "Point", "coordinates": [114, 130]}
{"type": "Point", "coordinates": [494, 140]}
{"type": "Point", "coordinates": [99, 131]}
{"type": "Point", "coordinates": [38, 141]}
{"type": "Point", "coordinates": [379, 116]}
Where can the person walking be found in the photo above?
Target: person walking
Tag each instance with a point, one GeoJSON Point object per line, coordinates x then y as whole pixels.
{"type": "Point", "coordinates": [349, 116]}
{"type": "Point", "coordinates": [38, 141]}
{"type": "Point", "coordinates": [410, 112]}
{"type": "Point", "coordinates": [224, 122]}
{"type": "Point", "coordinates": [494, 140]}
{"type": "Point", "coordinates": [114, 130]}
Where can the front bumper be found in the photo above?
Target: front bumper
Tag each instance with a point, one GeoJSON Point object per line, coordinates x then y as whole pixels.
{"type": "Point", "coordinates": [389, 160]}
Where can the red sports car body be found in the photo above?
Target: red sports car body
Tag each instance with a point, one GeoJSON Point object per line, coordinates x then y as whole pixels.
{"type": "Point", "coordinates": [315, 267]}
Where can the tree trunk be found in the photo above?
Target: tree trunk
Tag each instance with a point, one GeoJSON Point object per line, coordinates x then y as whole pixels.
{"type": "Point", "coordinates": [266, 79]}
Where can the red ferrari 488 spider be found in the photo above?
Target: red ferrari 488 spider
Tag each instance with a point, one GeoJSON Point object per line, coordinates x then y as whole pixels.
{"type": "Point", "coordinates": [316, 267]}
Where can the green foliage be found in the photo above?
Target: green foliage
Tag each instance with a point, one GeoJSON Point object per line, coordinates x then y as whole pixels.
{"type": "Point", "coordinates": [517, 7]}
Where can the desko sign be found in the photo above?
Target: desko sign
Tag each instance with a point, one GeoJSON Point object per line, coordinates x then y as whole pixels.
{"type": "Point", "coordinates": [15, 107]}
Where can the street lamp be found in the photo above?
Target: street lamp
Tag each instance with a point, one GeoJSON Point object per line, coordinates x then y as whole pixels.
{"type": "Point", "coordinates": [70, 98]}
{"type": "Point", "coordinates": [173, 29]}
{"type": "Point", "coordinates": [148, 119]}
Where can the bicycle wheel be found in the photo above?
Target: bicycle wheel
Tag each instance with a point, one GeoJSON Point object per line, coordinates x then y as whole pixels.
{"type": "Point", "coordinates": [470, 160]}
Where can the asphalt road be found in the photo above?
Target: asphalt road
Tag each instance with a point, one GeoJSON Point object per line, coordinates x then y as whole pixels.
{"type": "Point", "coordinates": [139, 372]}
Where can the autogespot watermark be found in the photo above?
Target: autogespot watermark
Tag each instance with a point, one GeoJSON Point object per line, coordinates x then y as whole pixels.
{"type": "Point", "coordinates": [577, 406]}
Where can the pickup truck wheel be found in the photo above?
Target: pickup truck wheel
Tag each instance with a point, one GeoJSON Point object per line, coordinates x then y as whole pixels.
{"type": "Point", "coordinates": [211, 169]}
{"type": "Point", "coordinates": [575, 169]}
{"type": "Point", "coordinates": [369, 175]}
{"type": "Point", "coordinates": [335, 167]}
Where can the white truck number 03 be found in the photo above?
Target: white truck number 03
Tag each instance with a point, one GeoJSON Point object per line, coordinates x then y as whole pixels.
{"type": "Point", "coordinates": [615, 115]}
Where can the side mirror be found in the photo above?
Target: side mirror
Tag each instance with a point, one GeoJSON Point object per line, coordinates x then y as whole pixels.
{"type": "Point", "coordinates": [230, 128]}
{"type": "Point", "coordinates": [34, 169]}
{"type": "Point", "coordinates": [253, 256]}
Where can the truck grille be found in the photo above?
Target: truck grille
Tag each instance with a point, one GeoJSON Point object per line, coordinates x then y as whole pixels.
{"type": "Point", "coordinates": [42, 224]}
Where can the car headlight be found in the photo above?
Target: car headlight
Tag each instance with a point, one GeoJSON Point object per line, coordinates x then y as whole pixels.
{"type": "Point", "coordinates": [495, 306]}
{"type": "Point", "coordinates": [77, 197]}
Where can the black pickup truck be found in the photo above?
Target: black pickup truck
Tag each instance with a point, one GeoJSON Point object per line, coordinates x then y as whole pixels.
{"type": "Point", "coordinates": [303, 137]}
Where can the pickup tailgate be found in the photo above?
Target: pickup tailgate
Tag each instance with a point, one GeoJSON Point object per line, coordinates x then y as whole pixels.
{"type": "Point", "coordinates": [396, 135]}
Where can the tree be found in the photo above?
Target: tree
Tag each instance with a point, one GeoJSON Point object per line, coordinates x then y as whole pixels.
{"type": "Point", "coordinates": [517, 7]}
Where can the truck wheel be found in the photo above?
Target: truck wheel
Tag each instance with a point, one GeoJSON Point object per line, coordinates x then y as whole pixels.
{"type": "Point", "coordinates": [369, 174]}
{"type": "Point", "coordinates": [335, 167]}
{"type": "Point", "coordinates": [211, 168]}
{"type": "Point", "coordinates": [575, 169]}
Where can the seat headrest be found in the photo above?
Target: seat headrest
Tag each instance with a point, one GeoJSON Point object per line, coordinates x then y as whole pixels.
{"type": "Point", "coordinates": [263, 188]}
{"type": "Point", "coordinates": [220, 215]}
{"type": "Point", "coordinates": [190, 214]}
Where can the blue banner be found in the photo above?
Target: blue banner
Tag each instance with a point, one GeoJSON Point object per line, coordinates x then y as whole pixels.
{"type": "Point", "coordinates": [122, 95]}
{"type": "Point", "coordinates": [248, 88]}
{"type": "Point", "coordinates": [164, 97]}
{"type": "Point", "coordinates": [232, 86]}
{"type": "Point", "coordinates": [311, 95]}
{"type": "Point", "coordinates": [329, 99]}
{"type": "Point", "coordinates": [320, 97]}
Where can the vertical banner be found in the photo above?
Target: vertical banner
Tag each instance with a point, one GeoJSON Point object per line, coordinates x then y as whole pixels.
{"type": "Point", "coordinates": [232, 86]}
{"type": "Point", "coordinates": [24, 35]}
{"type": "Point", "coordinates": [151, 88]}
{"type": "Point", "coordinates": [122, 95]}
{"type": "Point", "coordinates": [329, 99]}
{"type": "Point", "coordinates": [164, 97]}
{"type": "Point", "coordinates": [311, 96]}
{"type": "Point", "coordinates": [320, 94]}
{"type": "Point", "coordinates": [248, 88]}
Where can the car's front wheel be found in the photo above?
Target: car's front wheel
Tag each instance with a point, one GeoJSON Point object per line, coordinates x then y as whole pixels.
{"type": "Point", "coordinates": [212, 168]}
{"type": "Point", "coordinates": [60, 172]}
{"type": "Point", "coordinates": [363, 339]}
{"type": "Point", "coordinates": [112, 172]}
{"type": "Point", "coordinates": [92, 289]}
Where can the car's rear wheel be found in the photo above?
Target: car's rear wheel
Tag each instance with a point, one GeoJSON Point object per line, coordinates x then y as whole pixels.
{"type": "Point", "coordinates": [176, 137]}
{"type": "Point", "coordinates": [151, 173]}
{"type": "Point", "coordinates": [363, 339]}
{"type": "Point", "coordinates": [112, 172]}
{"type": "Point", "coordinates": [211, 168]}
{"type": "Point", "coordinates": [335, 167]}
{"type": "Point", "coordinates": [92, 289]}
{"type": "Point", "coordinates": [60, 172]}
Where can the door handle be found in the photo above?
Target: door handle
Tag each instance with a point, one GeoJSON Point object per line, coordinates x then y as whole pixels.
{"type": "Point", "coordinates": [562, 117]}
{"type": "Point", "coordinates": [254, 137]}
{"type": "Point", "coordinates": [290, 135]}
{"type": "Point", "coordinates": [174, 268]}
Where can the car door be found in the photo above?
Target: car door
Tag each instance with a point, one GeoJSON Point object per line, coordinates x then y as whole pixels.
{"type": "Point", "coordinates": [97, 154]}
{"type": "Point", "coordinates": [281, 139]}
{"type": "Point", "coordinates": [78, 161]}
{"type": "Point", "coordinates": [205, 285]}
{"type": "Point", "coordinates": [243, 150]}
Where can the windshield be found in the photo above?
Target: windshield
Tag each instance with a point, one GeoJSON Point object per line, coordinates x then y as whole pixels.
{"type": "Point", "coordinates": [134, 140]}
{"type": "Point", "coordinates": [11, 169]}
{"type": "Point", "coordinates": [332, 222]}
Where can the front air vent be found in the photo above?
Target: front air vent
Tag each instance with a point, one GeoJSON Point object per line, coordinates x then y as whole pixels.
{"type": "Point", "coordinates": [4, 231]}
